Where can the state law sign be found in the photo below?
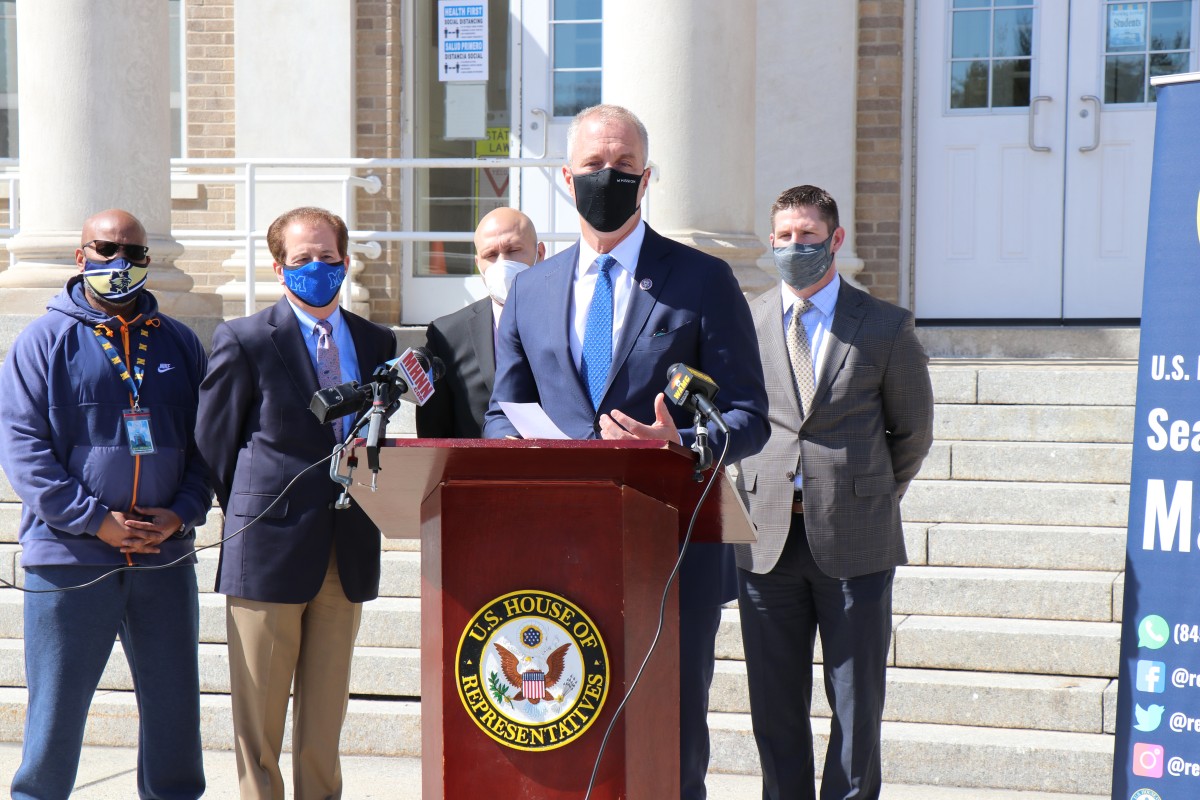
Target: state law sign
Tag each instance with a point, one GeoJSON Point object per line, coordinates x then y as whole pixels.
{"type": "Point", "coordinates": [1157, 746]}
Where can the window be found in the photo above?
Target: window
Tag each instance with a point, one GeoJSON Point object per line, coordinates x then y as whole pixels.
{"type": "Point", "coordinates": [991, 53]}
{"type": "Point", "coordinates": [8, 77]}
{"type": "Point", "coordinates": [177, 49]}
{"type": "Point", "coordinates": [1142, 41]}
{"type": "Point", "coordinates": [575, 55]}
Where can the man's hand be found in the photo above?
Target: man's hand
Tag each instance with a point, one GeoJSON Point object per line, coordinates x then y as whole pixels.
{"type": "Point", "coordinates": [115, 533]}
{"type": "Point", "coordinates": [622, 426]}
{"type": "Point", "coordinates": [141, 535]}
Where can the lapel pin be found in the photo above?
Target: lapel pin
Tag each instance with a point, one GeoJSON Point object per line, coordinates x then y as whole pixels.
{"type": "Point", "coordinates": [645, 284]}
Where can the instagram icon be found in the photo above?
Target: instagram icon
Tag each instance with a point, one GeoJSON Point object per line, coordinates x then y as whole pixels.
{"type": "Point", "coordinates": [1148, 760]}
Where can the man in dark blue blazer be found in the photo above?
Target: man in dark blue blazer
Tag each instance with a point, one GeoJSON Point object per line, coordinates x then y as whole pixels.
{"type": "Point", "coordinates": [590, 333]}
{"type": "Point", "coordinates": [295, 580]}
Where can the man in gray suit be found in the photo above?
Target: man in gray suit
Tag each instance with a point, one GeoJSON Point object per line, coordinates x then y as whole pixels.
{"type": "Point", "coordinates": [851, 411]}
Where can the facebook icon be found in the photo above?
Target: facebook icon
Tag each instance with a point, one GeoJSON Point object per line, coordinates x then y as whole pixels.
{"type": "Point", "coordinates": [1151, 676]}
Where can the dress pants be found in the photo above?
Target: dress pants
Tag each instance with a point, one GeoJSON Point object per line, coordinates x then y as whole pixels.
{"type": "Point", "coordinates": [781, 613]}
{"type": "Point", "coordinates": [270, 644]}
{"type": "Point", "coordinates": [697, 639]}
{"type": "Point", "coordinates": [69, 637]}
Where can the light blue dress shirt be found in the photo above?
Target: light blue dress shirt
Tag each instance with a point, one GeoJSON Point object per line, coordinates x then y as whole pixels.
{"type": "Point", "coordinates": [816, 321]}
{"type": "Point", "coordinates": [347, 356]}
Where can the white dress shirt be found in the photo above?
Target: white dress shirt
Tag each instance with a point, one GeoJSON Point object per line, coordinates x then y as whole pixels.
{"type": "Point", "coordinates": [816, 321]}
{"type": "Point", "coordinates": [586, 273]}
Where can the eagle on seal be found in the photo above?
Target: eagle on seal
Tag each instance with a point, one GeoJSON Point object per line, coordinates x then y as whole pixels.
{"type": "Point", "coordinates": [513, 668]}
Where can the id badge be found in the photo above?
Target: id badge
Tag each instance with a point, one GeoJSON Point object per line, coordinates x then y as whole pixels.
{"type": "Point", "coordinates": [137, 432]}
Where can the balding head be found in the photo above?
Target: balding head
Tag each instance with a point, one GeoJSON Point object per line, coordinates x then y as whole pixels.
{"type": "Point", "coordinates": [509, 234]}
{"type": "Point", "coordinates": [113, 225]}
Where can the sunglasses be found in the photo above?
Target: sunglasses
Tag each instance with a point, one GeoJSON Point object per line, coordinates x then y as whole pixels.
{"type": "Point", "coordinates": [109, 250]}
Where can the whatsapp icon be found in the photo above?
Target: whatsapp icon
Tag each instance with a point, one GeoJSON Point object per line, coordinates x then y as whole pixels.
{"type": "Point", "coordinates": [1153, 632]}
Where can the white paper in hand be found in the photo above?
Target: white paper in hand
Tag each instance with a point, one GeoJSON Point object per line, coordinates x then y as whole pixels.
{"type": "Point", "coordinates": [531, 421]}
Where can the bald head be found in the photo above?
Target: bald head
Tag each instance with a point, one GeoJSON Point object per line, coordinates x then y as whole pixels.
{"type": "Point", "coordinates": [113, 225]}
{"type": "Point", "coordinates": [509, 234]}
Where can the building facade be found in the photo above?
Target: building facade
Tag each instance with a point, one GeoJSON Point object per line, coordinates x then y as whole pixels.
{"type": "Point", "coordinates": [991, 157]}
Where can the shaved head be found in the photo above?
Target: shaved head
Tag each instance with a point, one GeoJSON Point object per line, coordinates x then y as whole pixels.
{"type": "Point", "coordinates": [506, 233]}
{"type": "Point", "coordinates": [113, 225]}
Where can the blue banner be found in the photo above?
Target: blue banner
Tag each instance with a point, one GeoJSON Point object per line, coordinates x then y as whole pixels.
{"type": "Point", "coordinates": [1157, 749]}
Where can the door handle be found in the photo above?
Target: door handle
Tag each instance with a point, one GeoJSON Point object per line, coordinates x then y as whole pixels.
{"type": "Point", "coordinates": [541, 112]}
{"type": "Point", "coordinates": [1091, 98]}
{"type": "Point", "coordinates": [1032, 113]}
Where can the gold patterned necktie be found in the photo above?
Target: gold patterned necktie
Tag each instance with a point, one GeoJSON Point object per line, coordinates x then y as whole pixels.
{"type": "Point", "coordinates": [800, 352]}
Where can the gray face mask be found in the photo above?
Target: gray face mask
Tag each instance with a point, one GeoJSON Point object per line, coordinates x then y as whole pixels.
{"type": "Point", "coordinates": [802, 265]}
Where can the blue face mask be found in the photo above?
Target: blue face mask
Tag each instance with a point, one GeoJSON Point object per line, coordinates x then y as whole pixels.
{"type": "Point", "coordinates": [802, 265]}
{"type": "Point", "coordinates": [316, 283]}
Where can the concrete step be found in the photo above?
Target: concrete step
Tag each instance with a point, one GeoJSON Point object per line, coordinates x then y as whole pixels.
{"type": "Point", "coordinates": [373, 727]}
{"type": "Point", "coordinates": [376, 671]}
{"type": "Point", "coordinates": [1043, 382]}
{"type": "Point", "coordinates": [1023, 546]}
{"type": "Point", "coordinates": [951, 697]}
{"type": "Point", "coordinates": [1004, 593]}
{"type": "Point", "coordinates": [1033, 423]}
{"type": "Point", "coordinates": [1038, 462]}
{"type": "Point", "coordinates": [399, 574]}
{"type": "Point", "coordinates": [386, 622]}
{"type": "Point", "coordinates": [1041, 647]}
{"type": "Point", "coordinates": [951, 755]}
{"type": "Point", "coordinates": [913, 753]}
{"type": "Point", "coordinates": [999, 502]}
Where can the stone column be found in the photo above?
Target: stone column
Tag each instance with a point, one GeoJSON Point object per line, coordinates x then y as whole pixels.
{"type": "Point", "coordinates": [94, 134]}
{"type": "Point", "coordinates": [806, 110]}
{"type": "Point", "coordinates": [686, 68]}
{"type": "Point", "coordinates": [294, 95]}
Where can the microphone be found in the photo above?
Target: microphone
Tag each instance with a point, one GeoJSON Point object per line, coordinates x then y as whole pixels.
{"type": "Point", "coordinates": [416, 369]}
{"type": "Point", "coordinates": [693, 390]}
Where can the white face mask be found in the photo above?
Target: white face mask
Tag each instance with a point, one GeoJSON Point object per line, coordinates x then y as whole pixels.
{"type": "Point", "coordinates": [499, 278]}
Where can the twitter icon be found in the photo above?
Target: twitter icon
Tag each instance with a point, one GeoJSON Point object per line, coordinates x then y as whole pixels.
{"type": "Point", "coordinates": [1148, 719]}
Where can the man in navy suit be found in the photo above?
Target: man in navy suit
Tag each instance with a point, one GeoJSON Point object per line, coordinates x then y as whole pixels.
{"type": "Point", "coordinates": [590, 333]}
{"type": "Point", "coordinates": [505, 244]}
{"type": "Point", "coordinates": [296, 578]}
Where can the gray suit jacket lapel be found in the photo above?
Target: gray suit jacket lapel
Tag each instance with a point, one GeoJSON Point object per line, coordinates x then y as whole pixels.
{"type": "Point", "coordinates": [768, 321]}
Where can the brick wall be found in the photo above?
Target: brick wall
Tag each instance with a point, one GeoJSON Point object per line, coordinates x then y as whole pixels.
{"type": "Point", "coordinates": [879, 159]}
{"type": "Point", "coordinates": [210, 133]}
{"type": "Point", "coordinates": [378, 62]}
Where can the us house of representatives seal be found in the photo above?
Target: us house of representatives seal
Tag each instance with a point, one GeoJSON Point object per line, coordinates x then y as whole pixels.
{"type": "Point", "coordinates": [532, 670]}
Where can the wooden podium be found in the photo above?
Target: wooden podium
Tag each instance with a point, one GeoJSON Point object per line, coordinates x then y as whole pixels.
{"type": "Point", "coordinates": [543, 564]}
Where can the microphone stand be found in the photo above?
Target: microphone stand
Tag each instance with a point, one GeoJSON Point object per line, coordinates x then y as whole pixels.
{"type": "Point", "coordinates": [343, 501]}
{"type": "Point", "coordinates": [700, 447]}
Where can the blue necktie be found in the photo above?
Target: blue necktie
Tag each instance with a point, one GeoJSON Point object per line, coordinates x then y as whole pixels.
{"type": "Point", "coordinates": [597, 336]}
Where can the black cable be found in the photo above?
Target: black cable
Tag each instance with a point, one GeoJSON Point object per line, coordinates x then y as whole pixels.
{"type": "Point", "coordinates": [192, 553]}
{"type": "Point", "coordinates": [662, 613]}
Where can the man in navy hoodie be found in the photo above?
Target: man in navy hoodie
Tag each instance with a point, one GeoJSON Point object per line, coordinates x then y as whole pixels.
{"type": "Point", "coordinates": [97, 437]}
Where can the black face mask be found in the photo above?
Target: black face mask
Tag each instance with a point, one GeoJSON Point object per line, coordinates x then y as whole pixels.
{"type": "Point", "coordinates": [606, 199]}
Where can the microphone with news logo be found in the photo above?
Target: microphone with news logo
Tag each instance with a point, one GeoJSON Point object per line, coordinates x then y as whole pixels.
{"type": "Point", "coordinates": [693, 390]}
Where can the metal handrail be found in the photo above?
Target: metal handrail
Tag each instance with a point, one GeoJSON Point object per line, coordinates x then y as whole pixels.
{"type": "Point", "coordinates": [248, 172]}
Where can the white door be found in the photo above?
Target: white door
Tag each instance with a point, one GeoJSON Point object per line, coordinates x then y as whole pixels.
{"type": "Point", "coordinates": [559, 76]}
{"type": "Point", "coordinates": [1115, 49]}
{"type": "Point", "coordinates": [1035, 133]}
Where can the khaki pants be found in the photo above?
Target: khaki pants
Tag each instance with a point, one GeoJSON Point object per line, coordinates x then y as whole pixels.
{"type": "Point", "coordinates": [269, 644]}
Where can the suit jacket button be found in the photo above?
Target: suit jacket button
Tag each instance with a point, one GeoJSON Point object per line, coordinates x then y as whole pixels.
{"type": "Point", "coordinates": [791, 476]}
